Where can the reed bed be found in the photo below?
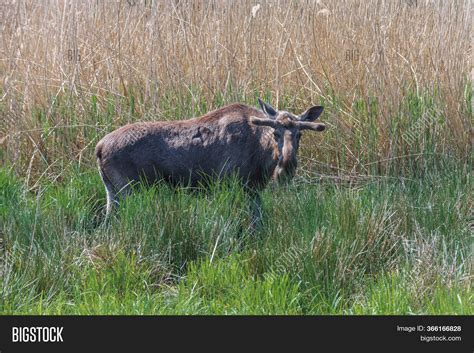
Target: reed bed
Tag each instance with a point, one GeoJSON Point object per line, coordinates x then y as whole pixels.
{"type": "Point", "coordinates": [394, 76]}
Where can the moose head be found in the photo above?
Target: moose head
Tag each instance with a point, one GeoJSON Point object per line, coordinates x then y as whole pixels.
{"type": "Point", "coordinates": [287, 130]}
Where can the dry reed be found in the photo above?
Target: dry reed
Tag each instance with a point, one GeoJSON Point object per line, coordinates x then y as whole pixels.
{"type": "Point", "coordinates": [94, 55]}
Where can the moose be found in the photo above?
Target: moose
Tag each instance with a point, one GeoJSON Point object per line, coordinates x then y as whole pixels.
{"type": "Point", "coordinates": [255, 145]}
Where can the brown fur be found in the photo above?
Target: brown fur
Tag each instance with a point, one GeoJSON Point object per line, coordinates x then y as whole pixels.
{"type": "Point", "coordinates": [217, 144]}
{"type": "Point", "coordinates": [188, 152]}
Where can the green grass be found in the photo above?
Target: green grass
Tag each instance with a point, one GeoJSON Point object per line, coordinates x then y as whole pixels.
{"type": "Point", "coordinates": [387, 246]}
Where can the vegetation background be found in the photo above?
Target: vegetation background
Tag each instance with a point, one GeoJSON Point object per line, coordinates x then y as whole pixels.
{"type": "Point", "coordinates": [378, 220]}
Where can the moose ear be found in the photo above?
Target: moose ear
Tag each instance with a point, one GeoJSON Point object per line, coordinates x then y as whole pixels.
{"type": "Point", "coordinates": [312, 113]}
{"type": "Point", "coordinates": [267, 108]}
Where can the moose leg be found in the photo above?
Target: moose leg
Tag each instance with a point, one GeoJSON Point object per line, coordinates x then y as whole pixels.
{"type": "Point", "coordinates": [110, 201]}
{"type": "Point", "coordinates": [255, 217]}
{"type": "Point", "coordinates": [256, 211]}
{"type": "Point", "coordinates": [110, 192]}
{"type": "Point", "coordinates": [113, 193]}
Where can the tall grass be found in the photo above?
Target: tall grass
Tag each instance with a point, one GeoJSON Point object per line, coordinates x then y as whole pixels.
{"type": "Point", "coordinates": [384, 248]}
{"type": "Point", "coordinates": [393, 75]}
